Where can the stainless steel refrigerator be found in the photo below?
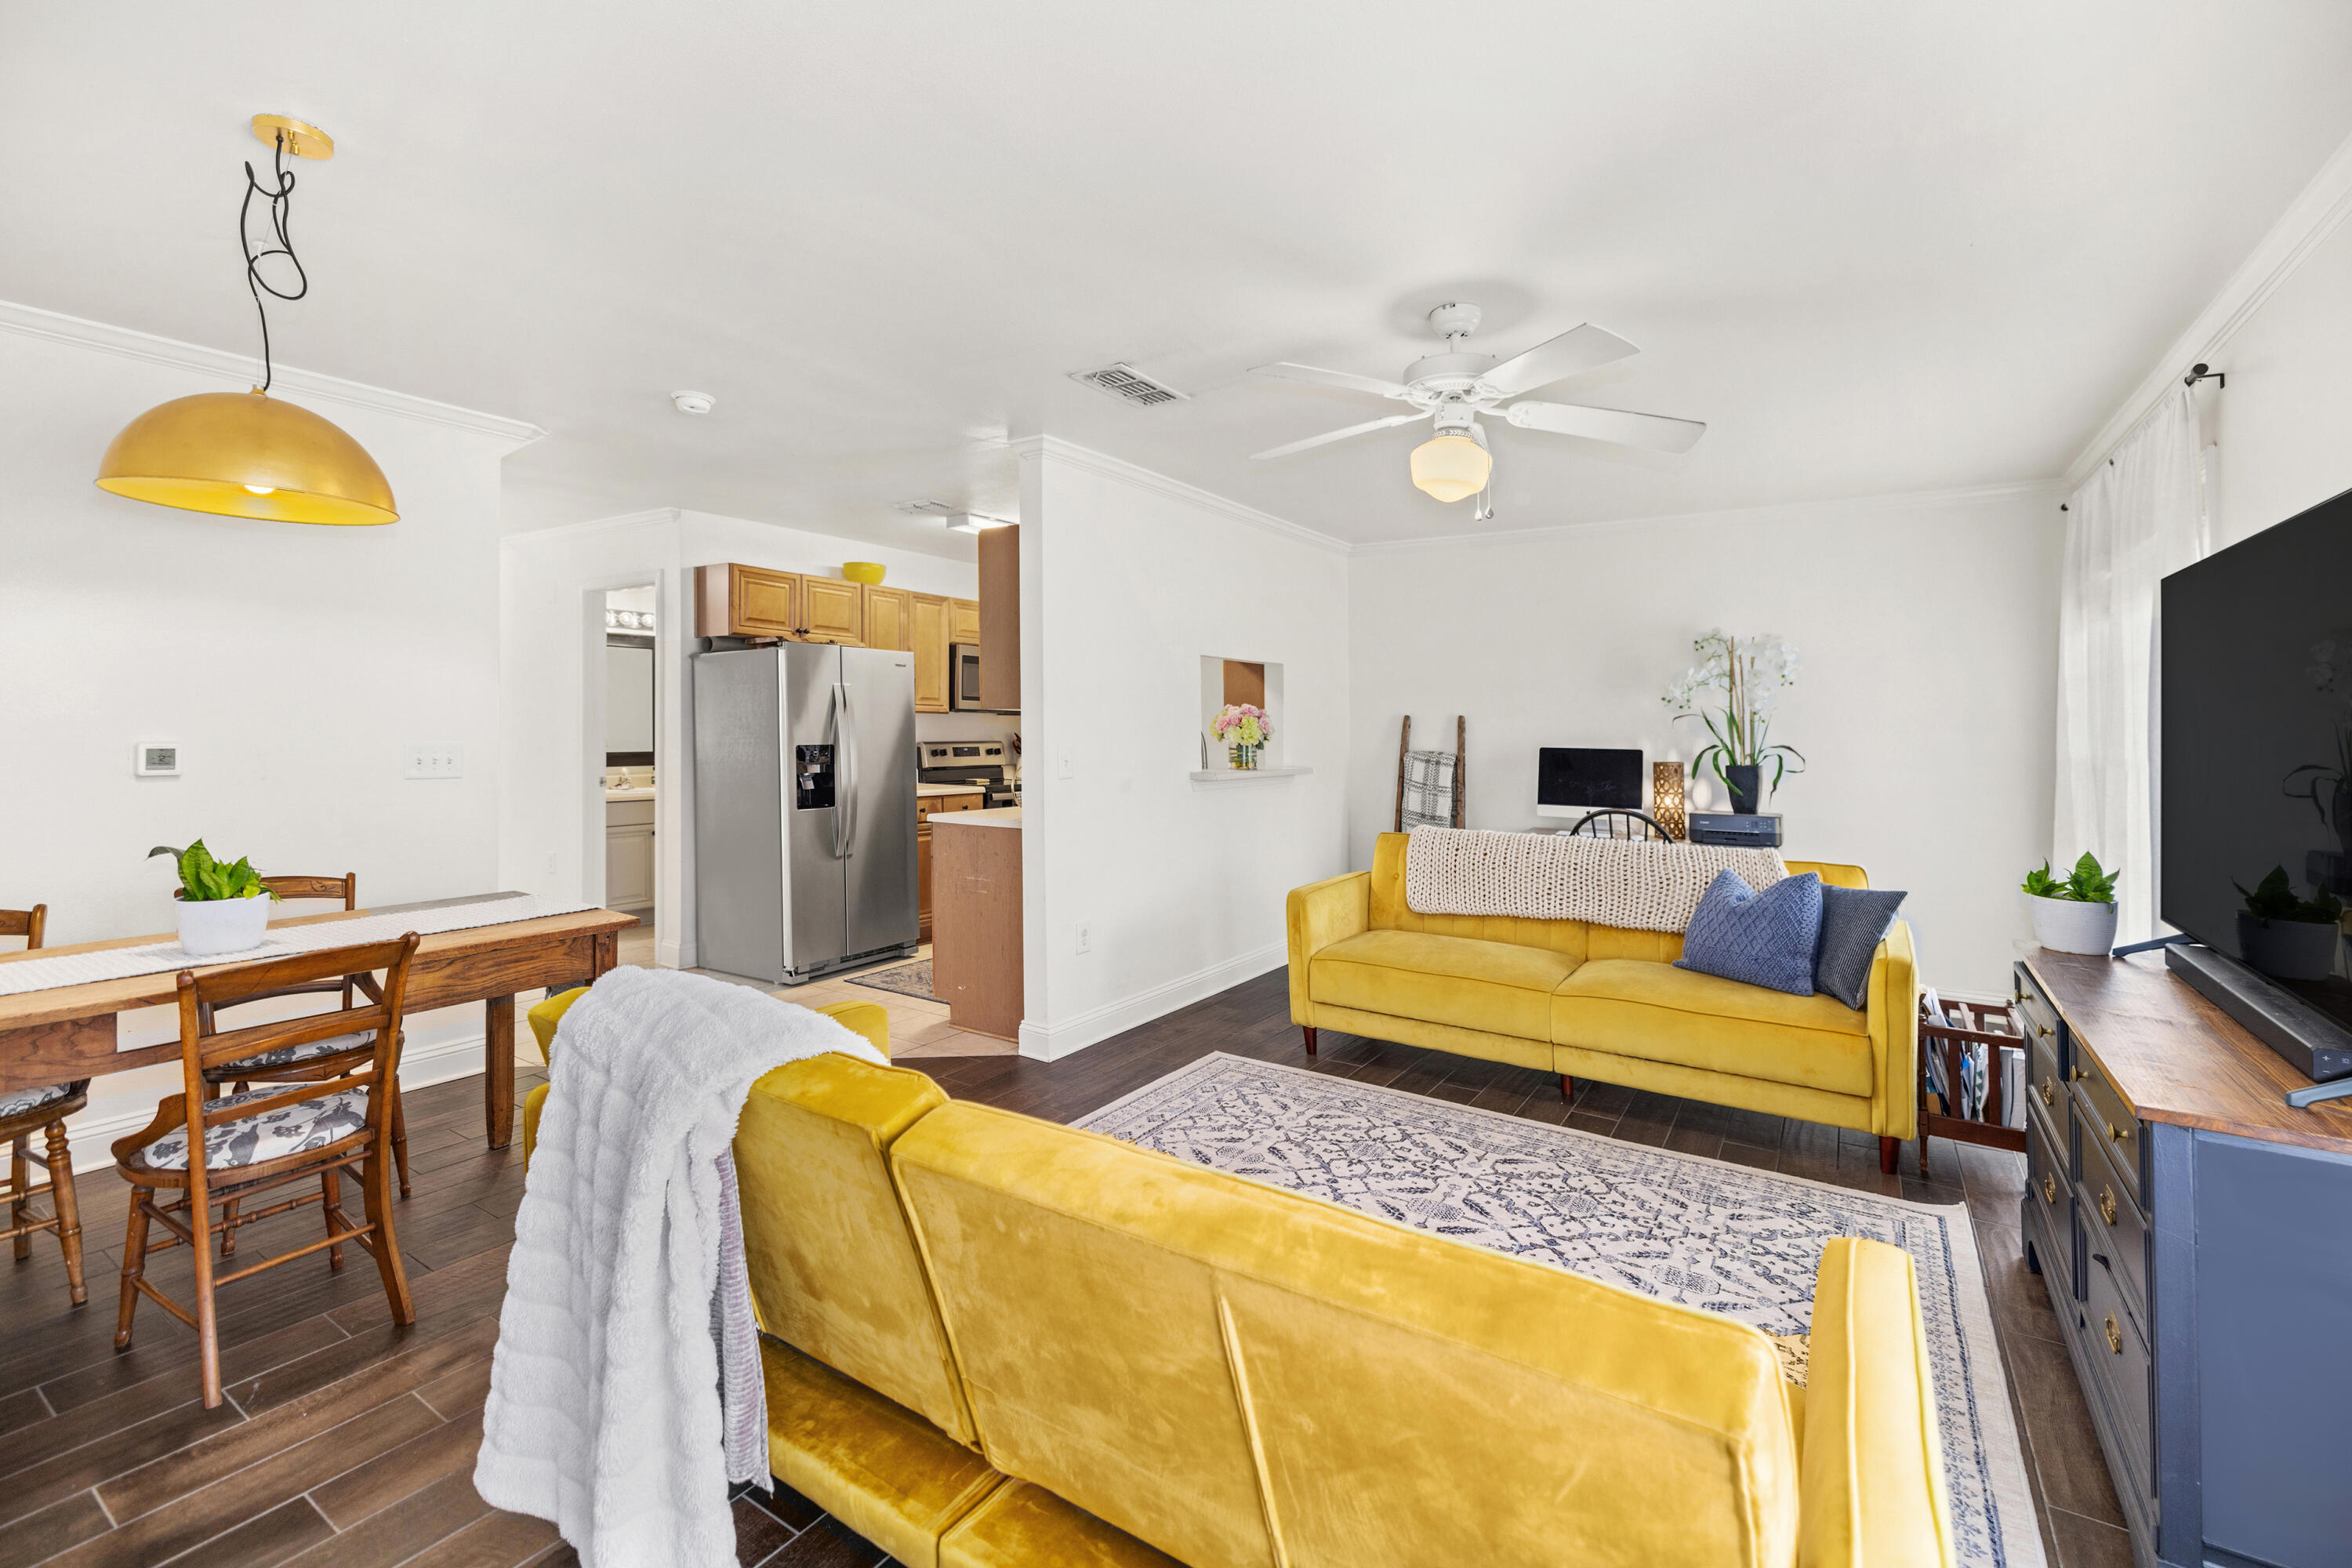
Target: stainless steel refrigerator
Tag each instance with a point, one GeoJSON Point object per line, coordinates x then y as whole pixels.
{"type": "Point", "coordinates": [805, 763]}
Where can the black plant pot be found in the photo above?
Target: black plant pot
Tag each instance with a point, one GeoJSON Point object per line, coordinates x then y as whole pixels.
{"type": "Point", "coordinates": [1747, 781]}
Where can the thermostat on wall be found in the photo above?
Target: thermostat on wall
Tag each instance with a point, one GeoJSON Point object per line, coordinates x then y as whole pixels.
{"type": "Point", "coordinates": [155, 759]}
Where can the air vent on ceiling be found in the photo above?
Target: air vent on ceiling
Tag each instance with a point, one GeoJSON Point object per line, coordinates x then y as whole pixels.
{"type": "Point", "coordinates": [922, 507]}
{"type": "Point", "coordinates": [1129, 384]}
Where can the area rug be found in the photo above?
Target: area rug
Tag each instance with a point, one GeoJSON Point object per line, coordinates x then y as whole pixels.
{"type": "Point", "coordinates": [905, 980]}
{"type": "Point", "coordinates": [1702, 1233]}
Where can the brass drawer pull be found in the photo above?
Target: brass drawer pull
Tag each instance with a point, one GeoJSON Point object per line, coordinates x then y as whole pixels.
{"type": "Point", "coordinates": [2048, 1189]}
{"type": "Point", "coordinates": [2114, 1335]}
{"type": "Point", "coordinates": [2117, 1134]}
{"type": "Point", "coordinates": [2043, 1030]}
{"type": "Point", "coordinates": [2047, 1093]}
{"type": "Point", "coordinates": [2106, 1206]}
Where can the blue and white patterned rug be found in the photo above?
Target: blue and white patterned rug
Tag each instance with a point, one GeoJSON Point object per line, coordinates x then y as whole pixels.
{"type": "Point", "coordinates": [1702, 1233]}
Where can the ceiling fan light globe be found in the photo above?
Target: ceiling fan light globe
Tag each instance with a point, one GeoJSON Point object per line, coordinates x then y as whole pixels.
{"type": "Point", "coordinates": [1451, 467]}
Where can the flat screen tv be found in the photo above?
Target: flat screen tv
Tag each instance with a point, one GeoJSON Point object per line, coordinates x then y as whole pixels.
{"type": "Point", "coordinates": [1573, 780]}
{"type": "Point", "coordinates": [2256, 746]}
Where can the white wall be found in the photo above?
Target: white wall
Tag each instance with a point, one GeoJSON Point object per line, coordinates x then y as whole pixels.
{"type": "Point", "coordinates": [1127, 580]}
{"type": "Point", "coordinates": [1927, 631]}
{"type": "Point", "coordinates": [2281, 422]}
{"type": "Point", "coordinates": [552, 582]}
{"type": "Point", "coordinates": [292, 665]}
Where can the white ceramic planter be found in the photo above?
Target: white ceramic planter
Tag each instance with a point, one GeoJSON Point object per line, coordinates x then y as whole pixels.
{"type": "Point", "coordinates": [2069, 925]}
{"type": "Point", "coordinates": [2287, 949]}
{"type": "Point", "coordinates": [223, 925]}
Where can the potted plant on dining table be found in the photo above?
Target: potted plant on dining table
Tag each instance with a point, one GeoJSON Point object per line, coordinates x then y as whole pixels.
{"type": "Point", "coordinates": [222, 908]}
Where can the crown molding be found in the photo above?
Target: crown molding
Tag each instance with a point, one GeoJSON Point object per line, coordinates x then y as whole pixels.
{"type": "Point", "coordinates": [30, 322]}
{"type": "Point", "coordinates": [1753, 516]}
{"type": "Point", "coordinates": [2309, 219]}
{"type": "Point", "coordinates": [1119, 469]}
{"type": "Point", "coordinates": [594, 525]}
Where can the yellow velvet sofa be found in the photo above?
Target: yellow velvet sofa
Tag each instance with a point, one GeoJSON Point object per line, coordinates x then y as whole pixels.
{"type": "Point", "coordinates": [1594, 1000]}
{"type": "Point", "coordinates": [995, 1342]}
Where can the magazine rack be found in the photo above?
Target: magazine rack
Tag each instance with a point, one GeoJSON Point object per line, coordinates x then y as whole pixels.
{"type": "Point", "coordinates": [1945, 1045]}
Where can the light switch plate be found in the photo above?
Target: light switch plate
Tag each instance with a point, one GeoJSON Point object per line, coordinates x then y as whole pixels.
{"type": "Point", "coordinates": [155, 760]}
{"type": "Point", "coordinates": [436, 762]}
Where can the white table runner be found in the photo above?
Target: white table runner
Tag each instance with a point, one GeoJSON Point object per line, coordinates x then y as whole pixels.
{"type": "Point", "coordinates": [155, 958]}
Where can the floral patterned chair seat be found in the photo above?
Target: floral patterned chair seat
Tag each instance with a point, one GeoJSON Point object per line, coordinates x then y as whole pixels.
{"type": "Point", "coordinates": [273, 1134]}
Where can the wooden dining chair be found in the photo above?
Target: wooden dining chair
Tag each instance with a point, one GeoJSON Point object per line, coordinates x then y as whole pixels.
{"type": "Point", "coordinates": [226, 1150]}
{"type": "Point", "coordinates": [29, 1113]}
{"type": "Point", "coordinates": [319, 1060]}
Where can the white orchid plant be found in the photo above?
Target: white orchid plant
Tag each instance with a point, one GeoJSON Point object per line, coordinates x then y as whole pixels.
{"type": "Point", "coordinates": [1752, 672]}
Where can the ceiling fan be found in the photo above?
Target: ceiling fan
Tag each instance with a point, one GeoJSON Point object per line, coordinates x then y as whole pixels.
{"type": "Point", "coordinates": [1454, 387]}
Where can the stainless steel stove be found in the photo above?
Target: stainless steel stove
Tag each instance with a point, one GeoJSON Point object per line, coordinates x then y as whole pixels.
{"type": "Point", "coordinates": [984, 763]}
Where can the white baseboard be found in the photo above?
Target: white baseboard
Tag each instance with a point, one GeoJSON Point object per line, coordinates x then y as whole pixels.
{"type": "Point", "coordinates": [1044, 1043]}
{"type": "Point", "coordinates": [92, 1140]}
{"type": "Point", "coordinates": [674, 955]}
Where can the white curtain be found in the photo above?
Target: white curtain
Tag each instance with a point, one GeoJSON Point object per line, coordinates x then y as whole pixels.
{"type": "Point", "coordinates": [2140, 516]}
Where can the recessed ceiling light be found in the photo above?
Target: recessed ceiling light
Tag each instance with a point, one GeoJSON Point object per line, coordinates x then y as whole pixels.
{"type": "Point", "coordinates": [693, 402]}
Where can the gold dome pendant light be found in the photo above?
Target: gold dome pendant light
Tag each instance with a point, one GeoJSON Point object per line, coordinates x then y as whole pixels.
{"type": "Point", "coordinates": [245, 454]}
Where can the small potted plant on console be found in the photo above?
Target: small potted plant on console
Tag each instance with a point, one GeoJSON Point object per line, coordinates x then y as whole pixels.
{"type": "Point", "coordinates": [2075, 913]}
{"type": "Point", "coordinates": [223, 909]}
{"type": "Point", "coordinates": [2287, 937]}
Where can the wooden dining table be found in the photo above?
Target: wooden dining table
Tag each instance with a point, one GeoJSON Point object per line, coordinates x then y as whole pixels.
{"type": "Point", "coordinates": [68, 1032]}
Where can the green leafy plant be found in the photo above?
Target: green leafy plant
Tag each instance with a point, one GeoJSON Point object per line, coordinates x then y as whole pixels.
{"type": "Point", "coordinates": [2273, 898]}
{"type": "Point", "coordinates": [204, 879]}
{"type": "Point", "coordinates": [2087, 883]}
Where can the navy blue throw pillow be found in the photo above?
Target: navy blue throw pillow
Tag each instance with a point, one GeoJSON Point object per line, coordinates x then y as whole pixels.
{"type": "Point", "coordinates": [1855, 920]}
{"type": "Point", "coordinates": [1764, 939]}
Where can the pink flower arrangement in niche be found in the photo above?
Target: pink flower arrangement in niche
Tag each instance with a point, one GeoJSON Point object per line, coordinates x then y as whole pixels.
{"type": "Point", "coordinates": [1241, 724]}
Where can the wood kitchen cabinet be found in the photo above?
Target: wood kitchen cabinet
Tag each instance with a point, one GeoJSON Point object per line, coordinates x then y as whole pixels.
{"type": "Point", "coordinates": [889, 618]}
{"type": "Point", "coordinates": [963, 621]}
{"type": "Point", "coordinates": [927, 618]}
{"type": "Point", "coordinates": [732, 600]}
{"type": "Point", "coordinates": [999, 619]}
{"type": "Point", "coordinates": [924, 807]}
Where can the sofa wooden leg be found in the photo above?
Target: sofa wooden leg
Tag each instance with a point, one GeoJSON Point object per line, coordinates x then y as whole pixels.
{"type": "Point", "coordinates": [1308, 1030]}
{"type": "Point", "coordinates": [1890, 1152]}
{"type": "Point", "coordinates": [1566, 1088]}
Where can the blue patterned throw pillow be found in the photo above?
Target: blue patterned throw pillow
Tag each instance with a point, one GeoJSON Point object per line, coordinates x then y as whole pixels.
{"type": "Point", "coordinates": [1764, 939]}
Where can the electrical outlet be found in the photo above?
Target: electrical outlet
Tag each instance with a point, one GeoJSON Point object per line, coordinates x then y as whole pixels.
{"type": "Point", "coordinates": [436, 762]}
{"type": "Point", "coordinates": [1085, 937]}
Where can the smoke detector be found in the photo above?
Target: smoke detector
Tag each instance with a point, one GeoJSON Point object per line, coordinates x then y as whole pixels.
{"type": "Point", "coordinates": [693, 402]}
{"type": "Point", "coordinates": [1129, 384]}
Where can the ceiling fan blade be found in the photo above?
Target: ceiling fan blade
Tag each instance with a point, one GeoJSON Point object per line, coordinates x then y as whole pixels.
{"type": "Point", "coordinates": [1330, 435]}
{"type": "Point", "coordinates": [1316, 375]}
{"type": "Point", "coordinates": [1575, 350]}
{"type": "Point", "coordinates": [1653, 432]}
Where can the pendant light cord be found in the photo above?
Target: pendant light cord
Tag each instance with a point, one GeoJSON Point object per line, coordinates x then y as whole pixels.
{"type": "Point", "coordinates": [280, 199]}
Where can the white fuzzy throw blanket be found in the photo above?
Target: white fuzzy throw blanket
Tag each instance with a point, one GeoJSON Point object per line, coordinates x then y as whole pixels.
{"type": "Point", "coordinates": [604, 1414]}
{"type": "Point", "coordinates": [1634, 884]}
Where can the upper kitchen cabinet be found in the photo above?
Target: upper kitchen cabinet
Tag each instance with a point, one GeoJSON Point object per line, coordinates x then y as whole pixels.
{"type": "Point", "coordinates": [963, 614]}
{"type": "Point", "coordinates": [927, 620]}
{"type": "Point", "coordinates": [889, 618]}
{"type": "Point", "coordinates": [736, 601]}
{"type": "Point", "coordinates": [999, 619]}
{"type": "Point", "coordinates": [732, 600]}
{"type": "Point", "coordinates": [832, 609]}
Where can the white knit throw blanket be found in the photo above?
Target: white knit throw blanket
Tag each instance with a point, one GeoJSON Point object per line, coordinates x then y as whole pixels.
{"type": "Point", "coordinates": [1634, 884]}
{"type": "Point", "coordinates": [605, 1413]}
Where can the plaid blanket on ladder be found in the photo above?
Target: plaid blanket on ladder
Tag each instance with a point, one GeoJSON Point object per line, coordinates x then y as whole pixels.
{"type": "Point", "coordinates": [1428, 790]}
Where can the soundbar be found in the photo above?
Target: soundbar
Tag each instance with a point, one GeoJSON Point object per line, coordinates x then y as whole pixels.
{"type": "Point", "coordinates": [2311, 1042]}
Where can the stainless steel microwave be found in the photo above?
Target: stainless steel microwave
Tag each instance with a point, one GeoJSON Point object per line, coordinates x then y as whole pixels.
{"type": "Point", "coordinates": [964, 678]}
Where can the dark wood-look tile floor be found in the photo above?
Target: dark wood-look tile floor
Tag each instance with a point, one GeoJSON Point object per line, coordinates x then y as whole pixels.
{"type": "Point", "coordinates": [346, 1441]}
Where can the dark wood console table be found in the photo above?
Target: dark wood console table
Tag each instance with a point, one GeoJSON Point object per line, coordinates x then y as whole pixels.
{"type": "Point", "coordinates": [2196, 1235]}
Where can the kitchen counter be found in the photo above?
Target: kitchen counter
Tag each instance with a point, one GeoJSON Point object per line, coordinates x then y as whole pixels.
{"type": "Point", "coordinates": [933, 792]}
{"type": "Point", "coordinates": [995, 816]}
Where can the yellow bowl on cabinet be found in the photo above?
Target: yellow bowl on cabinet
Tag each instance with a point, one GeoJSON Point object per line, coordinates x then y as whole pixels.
{"type": "Point", "coordinates": [861, 571]}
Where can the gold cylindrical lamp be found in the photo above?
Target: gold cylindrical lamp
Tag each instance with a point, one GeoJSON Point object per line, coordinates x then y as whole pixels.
{"type": "Point", "coordinates": [1667, 798]}
{"type": "Point", "coordinates": [246, 454]}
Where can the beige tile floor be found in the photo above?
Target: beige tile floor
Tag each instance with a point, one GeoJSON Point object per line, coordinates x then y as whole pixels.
{"type": "Point", "coordinates": [917, 1027]}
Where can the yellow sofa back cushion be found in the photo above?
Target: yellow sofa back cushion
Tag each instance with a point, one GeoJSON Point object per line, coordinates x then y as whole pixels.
{"type": "Point", "coordinates": [1220, 1366]}
{"type": "Point", "coordinates": [1577, 939]}
{"type": "Point", "coordinates": [833, 1267]}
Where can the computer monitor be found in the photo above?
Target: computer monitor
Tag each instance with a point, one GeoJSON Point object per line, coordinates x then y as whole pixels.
{"type": "Point", "coordinates": [1573, 780]}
